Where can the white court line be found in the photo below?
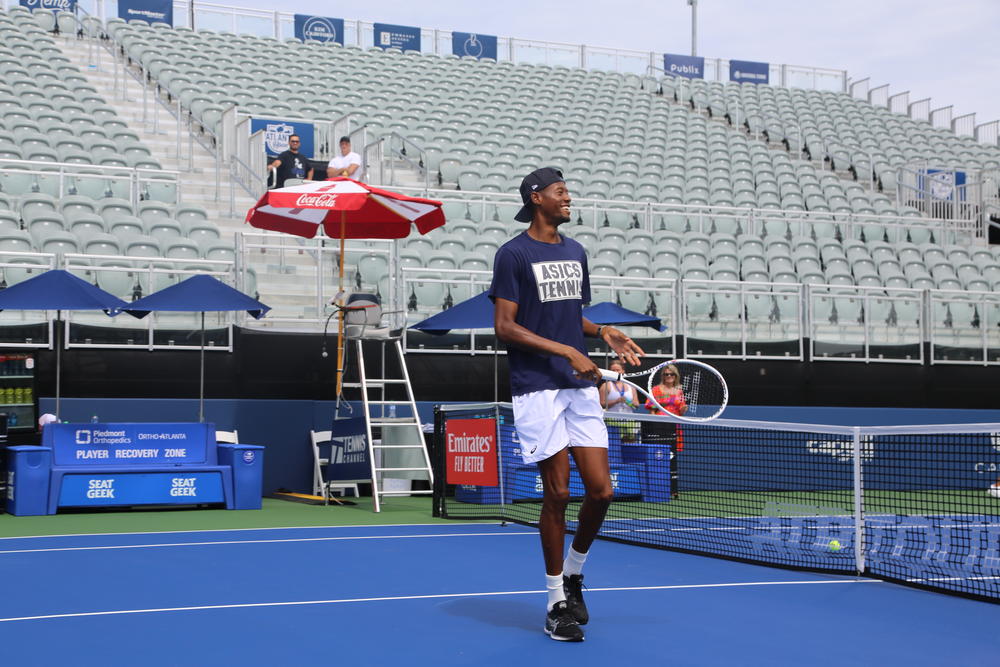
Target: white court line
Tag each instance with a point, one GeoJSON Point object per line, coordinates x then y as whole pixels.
{"type": "Point", "coordinates": [118, 612]}
{"type": "Point", "coordinates": [294, 539]}
{"type": "Point", "coordinates": [241, 530]}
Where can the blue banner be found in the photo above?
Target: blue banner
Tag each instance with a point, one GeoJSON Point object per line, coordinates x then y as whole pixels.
{"type": "Point", "coordinates": [689, 67]}
{"type": "Point", "coordinates": [276, 133]}
{"type": "Point", "coordinates": [54, 5]}
{"type": "Point", "coordinates": [130, 444]}
{"type": "Point", "coordinates": [943, 184]}
{"type": "Point", "coordinates": [748, 71]}
{"type": "Point", "coordinates": [142, 488]}
{"type": "Point", "coordinates": [319, 29]}
{"type": "Point", "coordinates": [151, 11]}
{"type": "Point", "coordinates": [475, 45]}
{"type": "Point", "coordinates": [405, 37]}
{"type": "Point", "coordinates": [348, 450]}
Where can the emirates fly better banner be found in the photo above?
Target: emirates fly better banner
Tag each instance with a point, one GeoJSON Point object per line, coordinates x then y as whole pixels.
{"type": "Point", "coordinates": [471, 452]}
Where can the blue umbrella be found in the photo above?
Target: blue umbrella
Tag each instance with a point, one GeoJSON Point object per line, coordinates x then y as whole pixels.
{"type": "Point", "coordinates": [198, 294]}
{"type": "Point", "coordinates": [607, 312]}
{"type": "Point", "coordinates": [474, 313]}
{"type": "Point", "coordinates": [58, 290]}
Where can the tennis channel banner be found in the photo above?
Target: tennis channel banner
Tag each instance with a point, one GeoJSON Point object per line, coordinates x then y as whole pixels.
{"type": "Point", "coordinates": [276, 133]}
{"type": "Point", "coordinates": [54, 5]}
{"type": "Point", "coordinates": [471, 452]}
{"type": "Point", "coordinates": [689, 67]}
{"type": "Point", "coordinates": [748, 71]}
{"type": "Point", "coordinates": [349, 450]}
{"type": "Point", "coordinates": [319, 29]}
{"type": "Point", "coordinates": [389, 36]}
{"type": "Point", "coordinates": [473, 44]}
{"type": "Point", "coordinates": [152, 11]}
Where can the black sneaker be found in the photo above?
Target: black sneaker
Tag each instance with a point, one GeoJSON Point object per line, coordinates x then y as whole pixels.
{"type": "Point", "coordinates": [573, 587]}
{"type": "Point", "coordinates": [561, 626]}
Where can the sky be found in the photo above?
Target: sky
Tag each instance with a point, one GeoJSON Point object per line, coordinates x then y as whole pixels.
{"type": "Point", "coordinates": [942, 49]}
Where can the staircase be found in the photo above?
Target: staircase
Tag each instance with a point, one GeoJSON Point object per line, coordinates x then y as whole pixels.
{"type": "Point", "coordinates": [285, 280]}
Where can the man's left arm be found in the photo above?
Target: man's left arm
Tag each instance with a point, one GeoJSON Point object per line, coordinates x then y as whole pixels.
{"type": "Point", "coordinates": [623, 346]}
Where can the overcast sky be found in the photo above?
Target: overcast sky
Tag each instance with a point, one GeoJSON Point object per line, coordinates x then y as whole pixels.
{"type": "Point", "coordinates": [933, 48]}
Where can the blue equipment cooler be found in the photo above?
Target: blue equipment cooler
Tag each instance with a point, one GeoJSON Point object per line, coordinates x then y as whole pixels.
{"type": "Point", "coordinates": [247, 462]}
{"type": "Point", "coordinates": [28, 480]}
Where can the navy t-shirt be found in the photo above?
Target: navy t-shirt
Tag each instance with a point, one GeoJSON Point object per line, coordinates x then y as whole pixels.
{"type": "Point", "coordinates": [549, 282]}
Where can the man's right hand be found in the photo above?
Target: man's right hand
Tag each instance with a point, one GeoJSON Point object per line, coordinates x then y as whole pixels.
{"type": "Point", "coordinates": [582, 366]}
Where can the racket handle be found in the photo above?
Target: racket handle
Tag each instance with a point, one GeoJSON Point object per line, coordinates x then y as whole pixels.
{"type": "Point", "coordinates": [610, 375]}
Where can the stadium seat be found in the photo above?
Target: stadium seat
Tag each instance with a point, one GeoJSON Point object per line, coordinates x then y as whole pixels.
{"type": "Point", "coordinates": [124, 226]}
{"type": "Point", "coordinates": [100, 244]}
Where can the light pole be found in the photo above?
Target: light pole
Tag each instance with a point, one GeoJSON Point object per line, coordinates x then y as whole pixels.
{"type": "Point", "coordinates": [694, 26]}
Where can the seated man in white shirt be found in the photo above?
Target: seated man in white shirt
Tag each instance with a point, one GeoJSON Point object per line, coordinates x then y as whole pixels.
{"type": "Point", "coordinates": [348, 163]}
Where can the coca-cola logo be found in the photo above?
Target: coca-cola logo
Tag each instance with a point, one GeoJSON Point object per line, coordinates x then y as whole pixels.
{"type": "Point", "coordinates": [316, 201]}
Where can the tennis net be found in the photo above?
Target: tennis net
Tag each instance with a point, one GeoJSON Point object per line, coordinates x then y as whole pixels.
{"type": "Point", "coordinates": [914, 504]}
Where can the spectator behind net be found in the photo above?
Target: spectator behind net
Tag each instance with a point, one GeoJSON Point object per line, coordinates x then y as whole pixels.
{"type": "Point", "coordinates": [291, 163]}
{"type": "Point", "coordinates": [348, 163]}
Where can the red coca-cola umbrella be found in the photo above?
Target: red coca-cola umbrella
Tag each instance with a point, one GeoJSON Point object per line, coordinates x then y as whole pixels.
{"type": "Point", "coordinates": [346, 209]}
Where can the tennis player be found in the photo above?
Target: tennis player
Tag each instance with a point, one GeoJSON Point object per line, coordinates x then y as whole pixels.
{"type": "Point", "coordinates": [540, 284]}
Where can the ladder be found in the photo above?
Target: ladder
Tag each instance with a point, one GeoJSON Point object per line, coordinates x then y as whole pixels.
{"type": "Point", "coordinates": [373, 399]}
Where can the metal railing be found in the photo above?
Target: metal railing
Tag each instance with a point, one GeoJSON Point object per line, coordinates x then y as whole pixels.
{"type": "Point", "coordinates": [65, 178]}
{"type": "Point", "coordinates": [280, 25]}
{"type": "Point", "coordinates": [756, 320]}
{"type": "Point", "coordinates": [382, 156]}
{"type": "Point", "coordinates": [127, 277]}
{"type": "Point", "coordinates": [935, 190]}
{"type": "Point", "coordinates": [299, 277]}
{"type": "Point", "coordinates": [707, 219]}
{"type": "Point", "coordinates": [781, 75]}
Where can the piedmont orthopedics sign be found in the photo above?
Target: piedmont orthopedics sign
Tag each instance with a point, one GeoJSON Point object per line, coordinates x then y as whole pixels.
{"type": "Point", "coordinates": [471, 452]}
{"type": "Point", "coordinates": [128, 444]}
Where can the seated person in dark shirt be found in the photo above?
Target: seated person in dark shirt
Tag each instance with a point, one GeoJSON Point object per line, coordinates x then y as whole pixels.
{"type": "Point", "coordinates": [291, 163]}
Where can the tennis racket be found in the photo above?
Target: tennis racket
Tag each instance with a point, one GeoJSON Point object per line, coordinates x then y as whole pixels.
{"type": "Point", "coordinates": [704, 389]}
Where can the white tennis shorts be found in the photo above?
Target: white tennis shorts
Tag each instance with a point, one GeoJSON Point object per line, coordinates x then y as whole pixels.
{"type": "Point", "coordinates": [550, 420]}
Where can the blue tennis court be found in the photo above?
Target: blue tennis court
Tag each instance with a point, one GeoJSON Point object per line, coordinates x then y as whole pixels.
{"type": "Point", "coordinates": [447, 595]}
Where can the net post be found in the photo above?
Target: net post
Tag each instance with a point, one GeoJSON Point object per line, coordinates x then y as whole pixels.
{"type": "Point", "coordinates": [859, 528]}
{"type": "Point", "coordinates": [437, 503]}
{"type": "Point", "coordinates": [500, 467]}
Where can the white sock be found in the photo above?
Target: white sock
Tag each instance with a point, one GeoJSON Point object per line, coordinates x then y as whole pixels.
{"type": "Point", "coordinates": [554, 586]}
{"type": "Point", "coordinates": [574, 562]}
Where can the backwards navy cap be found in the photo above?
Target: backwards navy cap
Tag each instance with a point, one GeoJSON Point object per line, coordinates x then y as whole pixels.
{"type": "Point", "coordinates": [536, 181]}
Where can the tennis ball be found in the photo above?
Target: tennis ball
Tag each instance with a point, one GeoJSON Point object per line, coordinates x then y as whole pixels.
{"type": "Point", "coordinates": [834, 545]}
